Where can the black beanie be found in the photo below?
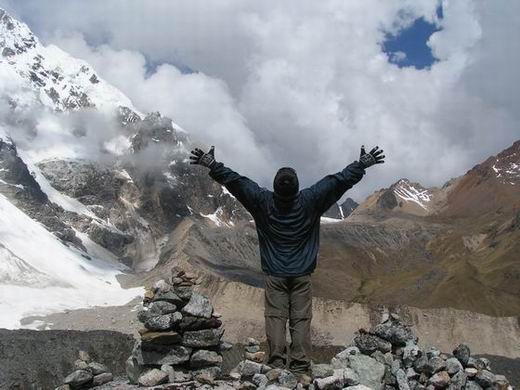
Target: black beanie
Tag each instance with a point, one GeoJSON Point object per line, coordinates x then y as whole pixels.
{"type": "Point", "coordinates": [285, 183]}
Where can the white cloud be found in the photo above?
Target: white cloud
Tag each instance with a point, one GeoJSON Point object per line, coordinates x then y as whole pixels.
{"type": "Point", "coordinates": [305, 83]}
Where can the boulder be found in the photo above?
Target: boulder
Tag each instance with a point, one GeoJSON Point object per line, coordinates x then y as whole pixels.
{"type": "Point", "coordinates": [80, 365]}
{"type": "Point", "coordinates": [173, 355]}
{"type": "Point", "coordinates": [260, 380]}
{"type": "Point", "coordinates": [453, 365]}
{"type": "Point", "coordinates": [287, 379]}
{"type": "Point", "coordinates": [250, 368]}
{"type": "Point", "coordinates": [440, 380]}
{"type": "Point", "coordinates": [410, 353]}
{"type": "Point", "coordinates": [462, 353]}
{"type": "Point", "coordinates": [369, 371]}
{"type": "Point", "coordinates": [78, 378]}
{"type": "Point", "coordinates": [164, 338]}
{"type": "Point", "coordinates": [485, 378]}
{"type": "Point", "coordinates": [97, 368]}
{"type": "Point", "coordinates": [369, 343]}
{"type": "Point", "coordinates": [198, 306]}
{"type": "Point", "coordinates": [133, 370]}
{"type": "Point", "coordinates": [101, 379]}
{"type": "Point", "coordinates": [153, 377]}
{"type": "Point", "coordinates": [163, 322]}
{"type": "Point", "coordinates": [402, 380]}
{"type": "Point", "coordinates": [169, 296]}
{"type": "Point", "coordinates": [458, 381]}
{"type": "Point", "coordinates": [394, 331]}
{"type": "Point", "coordinates": [198, 323]}
{"type": "Point", "coordinates": [202, 338]}
{"type": "Point", "coordinates": [322, 370]}
{"type": "Point", "coordinates": [207, 375]}
{"type": "Point", "coordinates": [329, 383]}
{"type": "Point", "coordinates": [204, 358]}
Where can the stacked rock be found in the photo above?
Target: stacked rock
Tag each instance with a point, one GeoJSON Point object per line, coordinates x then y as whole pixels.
{"type": "Point", "coordinates": [181, 338]}
{"type": "Point", "coordinates": [86, 374]}
{"type": "Point", "coordinates": [388, 357]}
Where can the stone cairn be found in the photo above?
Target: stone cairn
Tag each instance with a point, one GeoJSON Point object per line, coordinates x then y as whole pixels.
{"type": "Point", "coordinates": [388, 357]}
{"type": "Point", "coordinates": [87, 373]}
{"type": "Point", "coordinates": [181, 339]}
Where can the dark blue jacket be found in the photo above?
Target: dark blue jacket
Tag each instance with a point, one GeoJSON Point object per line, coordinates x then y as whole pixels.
{"type": "Point", "coordinates": [288, 238]}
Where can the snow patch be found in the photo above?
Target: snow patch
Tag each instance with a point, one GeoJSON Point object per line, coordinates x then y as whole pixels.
{"type": "Point", "coordinates": [48, 276]}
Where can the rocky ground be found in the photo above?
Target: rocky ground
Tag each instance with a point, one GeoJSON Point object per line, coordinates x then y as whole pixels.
{"type": "Point", "coordinates": [181, 347]}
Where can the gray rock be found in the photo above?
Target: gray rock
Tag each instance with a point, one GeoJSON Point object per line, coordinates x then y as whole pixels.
{"type": "Point", "coordinates": [483, 364]}
{"type": "Point", "coordinates": [207, 375]}
{"type": "Point", "coordinates": [133, 370]}
{"type": "Point", "coordinates": [341, 359]}
{"type": "Point", "coordinates": [433, 352]}
{"type": "Point", "coordinates": [161, 307]}
{"type": "Point", "coordinates": [472, 362]}
{"type": "Point", "coordinates": [78, 378]}
{"type": "Point", "coordinates": [198, 323]}
{"type": "Point", "coordinates": [198, 306]}
{"type": "Point", "coordinates": [171, 297]}
{"type": "Point", "coordinates": [287, 379]}
{"type": "Point", "coordinates": [357, 387]}
{"type": "Point", "coordinates": [458, 381]}
{"type": "Point", "coordinates": [462, 353]}
{"type": "Point", "coordinates": [163, 338]}
{"type": "Point", "coordinates": [260, 380]}
{"type": "Point", "coordinates": [204, 358]}
{"type": "Point", "coordinates": [97, 368]}
{"type": "Point", "coordinates": [329, 383]}
{"type": "Point", "coordinates": [453, 365]}
{"type": "Point", "coordinates": [470, 372]}
{"type": "Point", "coordinates": [402, 380]}
{"type": "Point", "coordinates": [501, 382]}
{"type": "Point", "coordinates": [252, 348]}
{"type": "Point", "coordinates": [322, 370]}
{"type": "Point", "coordinates": [202, 338]}
{"type": "Point", "coordinates": [349, 376]}
{"type": "Point", "coordinates": [440, 380]}
{"type": "Point", "coordinates": [183, 293]}
{"type": "Point", "coordinates": [435, 364]}
{"type": "Point", "coordinates": [485, 378]}
{"type": "Point", "coordinates": [369, 343]}
{"type": "Point", "coordinates": [369, 371]}
{"type": "Point", "coordinates": [102, 378]}
{"type": "Point", "coordinates": [163, 322]}
{"type": "Point", "coordinates": [224, 346]}
{"type": "Point", "coordinates": [80, 365]}
{"type": "Point", "coordinates": [394, 331]}
{"type": "Point", "coordinates": [176, 375]}
{"type": "Point", "coordinates": [472, 385]}
{"type": "Point", "coordinates": [160, 355]}
{"type": "Point", "coordinates": [153, 377]}
{"type": "Point", "coordinates": [249, 368]}
{"type": "Point", "coordinates": [411, 374]}
{"type": "Point", "coordinates": [421, 363]}
{"type": "Point", "coordinates": [410, 353]}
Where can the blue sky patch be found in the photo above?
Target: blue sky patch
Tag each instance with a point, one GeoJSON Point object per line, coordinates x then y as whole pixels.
{"type": "Point", "coordinates": [408, 47]}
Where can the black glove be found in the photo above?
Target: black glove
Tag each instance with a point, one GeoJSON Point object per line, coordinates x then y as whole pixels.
{"type": "Point", "coordinates": [374, 157]}
{"type": "Point", "coordinates": [201, 158]}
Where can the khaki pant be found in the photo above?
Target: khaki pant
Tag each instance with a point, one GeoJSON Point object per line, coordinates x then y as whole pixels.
{"type": "Point", "coordinates": [288, 298]}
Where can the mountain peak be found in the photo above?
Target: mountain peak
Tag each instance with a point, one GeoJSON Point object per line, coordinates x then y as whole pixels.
{"type": "Point", "coordinates": [57, 80]}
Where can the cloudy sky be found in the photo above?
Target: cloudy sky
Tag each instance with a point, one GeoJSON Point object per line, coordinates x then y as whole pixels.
{"type": "Point", "coordinates": [304, 83]}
